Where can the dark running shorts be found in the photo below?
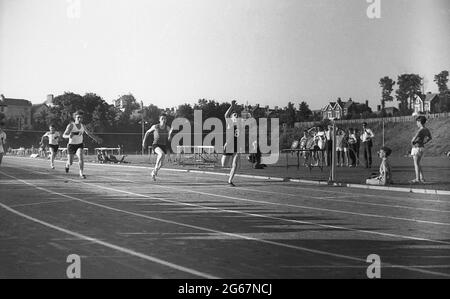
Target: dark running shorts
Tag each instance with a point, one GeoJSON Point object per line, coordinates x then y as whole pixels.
{"type": "Point", "coordinates": [72, 148]}
{"type": "Point", "coordinates": [162, 147]}
{"type": "Point", "coordinates": [54, 147]}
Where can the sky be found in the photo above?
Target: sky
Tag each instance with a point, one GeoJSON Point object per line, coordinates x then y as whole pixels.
{"type": "Point", "coordinates": [171, 52]}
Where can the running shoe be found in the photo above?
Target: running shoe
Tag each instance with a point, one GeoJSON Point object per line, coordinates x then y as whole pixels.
{"type": "Point", "coordinates": [231, 184]}
{"type": "Point", "coordinates": [67, 169]}
{"type": "Point", "coordinates": [153, 176]}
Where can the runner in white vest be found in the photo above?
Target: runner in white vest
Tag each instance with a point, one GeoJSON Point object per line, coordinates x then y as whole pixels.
{"type": "Point", "coordinates": [53, 143]}
{"type": "Point", "coordinates": [74, 132]}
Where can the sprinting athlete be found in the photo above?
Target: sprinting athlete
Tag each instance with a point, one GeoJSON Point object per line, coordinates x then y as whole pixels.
{"type": "Point", "coordinates": [161, 142]}
{"type": "Point", "coordinates": [74, 132]}
{"type": "Point", "coordinates": [231, 154]}
{"type": "Point", "coordinates": [2, 141]}
{"type": "Point", "coordinates": [53, 143]}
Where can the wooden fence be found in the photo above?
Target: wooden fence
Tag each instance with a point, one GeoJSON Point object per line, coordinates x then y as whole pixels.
{"type": "Point", "coordinates": [395, 119]}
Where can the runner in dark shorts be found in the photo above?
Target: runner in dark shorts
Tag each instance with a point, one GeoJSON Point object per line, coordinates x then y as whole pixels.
{"type": "Point", "coordinates": [74, 132]}
{"type": "Point", "coordinates": [161, 138]}
{"type": "Point", "coordinates": [53, 143]}
{"type": "Point", "coordinates": [231, 157]}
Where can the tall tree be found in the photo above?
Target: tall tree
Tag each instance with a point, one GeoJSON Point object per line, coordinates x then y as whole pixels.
{"type": "Point", "coordinates": [185, 111]}
{"type": "Point", "coordinates": [288, 115]}
{"type": "Point", "coordinates": [409, 85]}
{"type": "Point", "coordinates": [441, 80]}
{"type": "Point", "coordinates": [304, 112]}
{"type": "Point", "coordinates": [387, 86]}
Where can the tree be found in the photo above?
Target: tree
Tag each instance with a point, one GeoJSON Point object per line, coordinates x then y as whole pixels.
{"type": "Point", "coordinates": [387, 85]}
{"type": "Point", "coordinates": [65, 105]}
{"type": "Point", "coordinates": [304, 112]}
{"type": "Point", "coordinates": [186, 111]}
{"type": "Point", "coordinates": [409, 85]}
{"type": "Point", "coordinates": [288, 115]}
{"type": "Point", "coordinates": [212, 109]}
{"type": "Point", "coordinates": [441, 80]}
{"type": "Point", "coordinates": [151, 114]}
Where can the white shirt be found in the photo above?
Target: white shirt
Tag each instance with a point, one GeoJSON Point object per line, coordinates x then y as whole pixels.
{"type": "Point", "coordinates": [78, 137]}
{"type": "Point", "coordinates": [2, 140]}
{"type": "Point", "coordinates": [321, 137]}
{"type": "Point", "coordinates": [52, 138]}
{"type": "Point", "coordinates": [328, 134]}
{"type": "Point", "coordinates": [366, 135]}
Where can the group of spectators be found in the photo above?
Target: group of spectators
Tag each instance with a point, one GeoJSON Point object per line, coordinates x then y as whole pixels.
{"type": "Point", "coordinates": [317, 144]}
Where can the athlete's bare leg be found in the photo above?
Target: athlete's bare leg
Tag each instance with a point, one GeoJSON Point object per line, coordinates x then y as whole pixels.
{"type": "Point", "coordinates": [80, 155]}
{"type": "Point", "coordinates": [236, 162]}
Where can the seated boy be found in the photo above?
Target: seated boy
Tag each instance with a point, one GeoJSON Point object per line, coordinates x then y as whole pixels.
{"type": "Point", "coordinates": [385, 176]}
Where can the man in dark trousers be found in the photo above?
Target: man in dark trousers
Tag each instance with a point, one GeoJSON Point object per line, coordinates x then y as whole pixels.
{"type": "Point", "coordinates": [367, 143]}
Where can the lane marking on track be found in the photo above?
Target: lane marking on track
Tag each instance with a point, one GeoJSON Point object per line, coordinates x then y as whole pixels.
{"type": "Point", "coordinates": [40, 203]}
{"type": "Point", "coordinates": [112, 246]}
{"type": "Point", "coordinates": [291, 205]}
{"type": "Point", "coordinates": [327, 198]}
{"type": "Point", "coordinates": [300, 248]}
{"type": "Point", "coordinates": [307, 182]}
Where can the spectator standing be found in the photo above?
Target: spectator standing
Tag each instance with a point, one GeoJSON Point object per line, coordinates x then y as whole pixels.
{"type": "Point", "coordinates": [422, 137]}
{"type": "Point", "coordinates": [352, 147]}
{"type": "Point", "coordinates": [367, 143]}
{"type": "Point", "coordinates": [329, 144]}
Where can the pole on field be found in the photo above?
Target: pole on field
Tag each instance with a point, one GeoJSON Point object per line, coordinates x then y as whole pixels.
{"type": "Point", "coordinates": [383, 131]}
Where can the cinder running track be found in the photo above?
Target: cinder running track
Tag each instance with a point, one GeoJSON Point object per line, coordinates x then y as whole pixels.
{"type": "Point", "coordinates": [191, 225]}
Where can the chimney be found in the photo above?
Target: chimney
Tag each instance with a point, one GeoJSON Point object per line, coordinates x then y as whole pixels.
{"type": "Point", "coordinates": [367, 103]}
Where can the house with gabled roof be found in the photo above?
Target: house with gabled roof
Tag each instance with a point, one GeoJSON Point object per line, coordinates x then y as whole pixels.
{"type": "Point", "coordinates": [333, 110]}
{"type": "Point", "coordinates": [428, 103]}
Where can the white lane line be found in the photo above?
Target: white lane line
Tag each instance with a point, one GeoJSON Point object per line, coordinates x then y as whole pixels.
{"type": "Point", "coordinates": [300, 248]}
{"type": "Point", "coordinates": [327, 198]}
{"type": "Point", "coordinates": [292, 205]}
{"type": "Point", "coordinates": [313, 188]}
{"type": "Point", "coordinates": [333, 199]}
{"type": "Point", "coordinates": [112, 246]}
{"type": "Point", "coordinates": [258, 215]}
{"type": "Point", "coordinates": [365, 267]}
{"type": "Point", "coordinates": [40, 203]}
